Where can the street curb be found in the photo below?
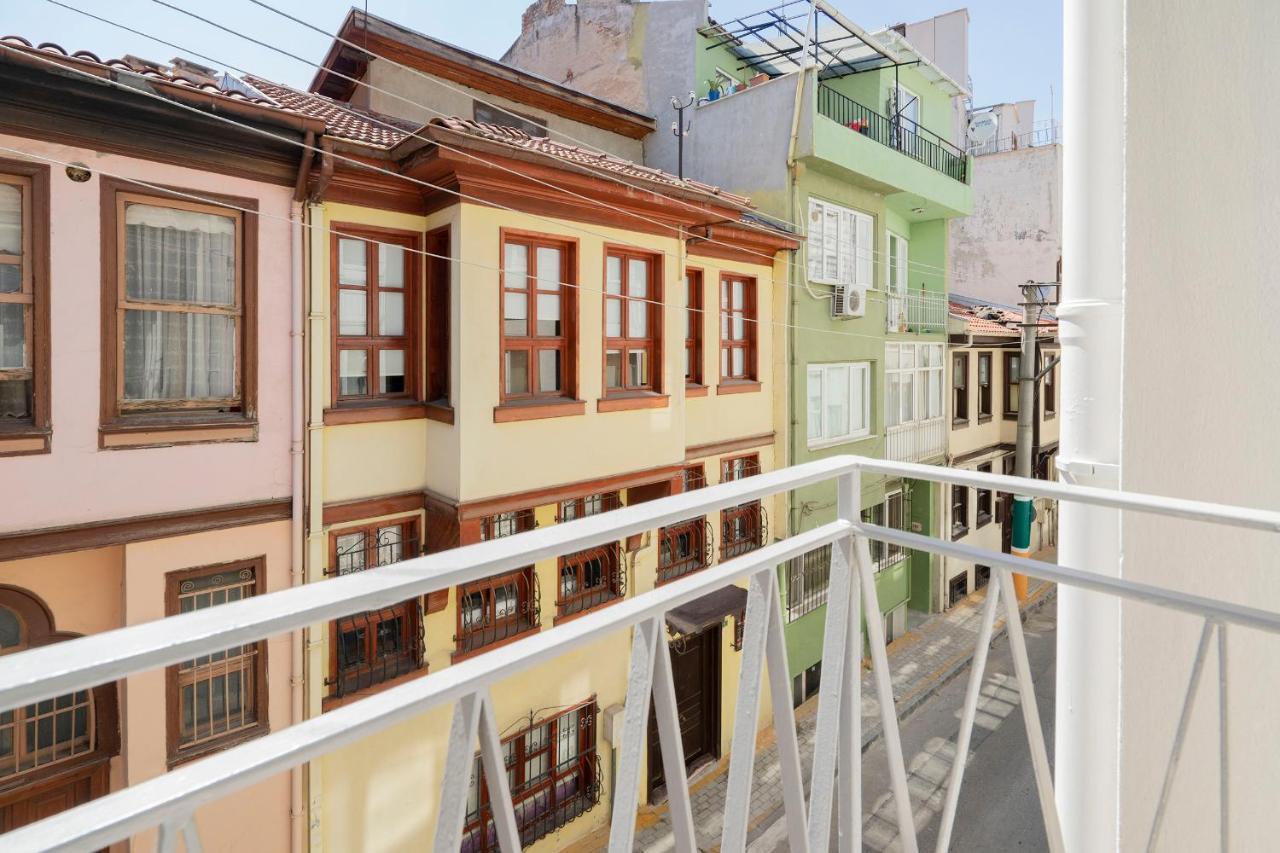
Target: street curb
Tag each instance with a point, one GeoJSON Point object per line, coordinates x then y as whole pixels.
{"type": "Point", "coordinates": [946, 675]}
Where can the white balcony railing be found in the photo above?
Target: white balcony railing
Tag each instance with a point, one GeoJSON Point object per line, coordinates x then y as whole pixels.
{"type": "Point", "coordinates": [917, 441]}
{"type": "Point", "coordinates": [918, 311]}
{"type": "Point", "coordinates": [170, 801]}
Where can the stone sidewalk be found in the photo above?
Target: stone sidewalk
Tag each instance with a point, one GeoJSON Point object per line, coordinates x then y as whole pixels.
{"type": "Point", "coordinates": [921, 661]}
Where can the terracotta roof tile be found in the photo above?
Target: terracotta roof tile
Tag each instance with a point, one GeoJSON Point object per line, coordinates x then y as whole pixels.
{"type": "Point", "coordinates": [343, 120]}
{"type": "Point", "coordinates": [994, 320]}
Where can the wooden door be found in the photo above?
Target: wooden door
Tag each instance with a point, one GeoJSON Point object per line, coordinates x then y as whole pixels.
{"type": "Point", "coordinates": [48, 797]}
{"type": "Point", "coordinates": [695, 663]}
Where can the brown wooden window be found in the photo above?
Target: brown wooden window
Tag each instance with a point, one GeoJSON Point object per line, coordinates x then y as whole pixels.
{"type": "Point", "coordinates": [737, 467]}
{"type": "Point", "coordinates": [587, 505]}
{"type": "Point", "coordinates": [24, 301]}
{"type": "Point", "coordinates": [632, 322]}
{"type": "Point", "coordinates": [1012, 362]}
{"type": "Point", "coordinates": [1051, 393]}
{"type": "Point", "coordinates": [553, 773]}
{"type": "Point", "coordinates": [984, 385]}
{"type": "Point", "coordinates": [738, 329]}
{"type": "Point", "coordinates": [497, 609]}
{"type": "Point", "coordinates": [539, 338]}
{"type": "Point", "coordinates": [375, 297]}
{"type": "Point", "coordinates": [590, 578]}
{"type": "Point", "coordinates": [960, 388]}
{"type": "Point", "coordinates": [983, 499]}
{"type": "Point", "coordinates": [220, 698]}
{"type": "Point", "coordinates": [506, 524]}
{"type": "Point", "coordinates": [743, 527]}
{"type": "Point", "coordinates": [693, 328]}
{"type": "Point", "coordinates": [683, 549]}
{"type": "Point", "coordinates": [959, 511]}
{"type": "Point", "coordinates": [378, 645]}
{"type": "Point", "coordinates": [693, 477]}
{"type": "Point", "coordinates": [439, 285]}
{"type": "Point", "coordinates": [181, 286]}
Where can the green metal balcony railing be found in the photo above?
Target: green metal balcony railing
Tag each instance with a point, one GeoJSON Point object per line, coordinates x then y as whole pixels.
{"type": "Point", "coordinates": [901, 135]}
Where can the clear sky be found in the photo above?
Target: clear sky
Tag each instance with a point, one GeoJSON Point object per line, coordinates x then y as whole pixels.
{"type": "Point", "coordinates": [1015, 46]}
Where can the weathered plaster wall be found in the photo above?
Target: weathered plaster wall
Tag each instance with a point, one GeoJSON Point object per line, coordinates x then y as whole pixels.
{"type": "Point", "coordinates": [1015, 231]}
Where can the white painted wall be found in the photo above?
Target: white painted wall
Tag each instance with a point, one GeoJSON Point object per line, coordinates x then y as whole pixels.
{"type": "Point", "coordinates": [1015, 231]}
{"type": "Point", "coordinates": [1201, 408]}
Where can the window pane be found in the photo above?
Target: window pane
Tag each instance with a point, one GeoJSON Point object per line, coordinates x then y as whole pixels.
{"type": "Point", "coordinates": [637, 319]}
{"type": "Point", "coordinates": [891, 356]}
{"type": "Point", "coordinates": [892, 399]}
{"type": "Point", "coordinates": [10, 219]}
{"type": "Point", "coordinates": [352, 313]}
{"type": "Point", "coordinates": [175, 356]}
{"type": "Point", "coordinates": [984, 371]}
{"type": "Point", "coordinates": [906, 411]}
{"type": "Point", "coordinates": [549, 273]}
{"type": "Point", "coordinates": [353, 372]}
{"type": "Point", "coordinates": [838, 401]}
{"type": "Point", "coordinates": [549, 370]}
{"type": "Point", "coordinates": [517, 367]}
{"type": "Point", "coordinates": [179, 255]}
{"type": "Point", "coordinates": [613, 318]}
{"type": "Point", "coordinates": [13, 336]}
{"type": "Point", "coordinates": [515, 266]}
{"type": "Point", "coordinates": [515, 314]}
{"type": "Point", "coordinates": [724, 361]}
{"type": "Point", "coordinates": [350, 552]}
{"type": "Point", "coordinates": [10, 277]}
{"type": "Point", "coordinates": [908, 354]}
{"type": "Point", "coordinates": [390, 266]}
{"type": "Point", "coordinates": [391, 314]}
{"type": "Point", "coordinates": [391, 371]}
{"type": "Point", "coordinates": [858, 410]}
{"type": "Point", "coordinates": [638, 368]}
{"type": "Point", "coordinates": [739, 328]}
{"type": "Point", "coordinates": [637, 277]}
{"type": "Point", "coordinates": [351, 262]}
{"type": "Point", "coordinates": [613, 369]}
{"type": "Point", "coordinates": [739, 362]}
{"type": "Point", "coordinates": [613, 275]}
{"type": "Point", "coordinates": [815, 403]}
{"type": "Point", "coordinates": [549, 315]}
{"type": "Point", "coordinates": [739, 297]}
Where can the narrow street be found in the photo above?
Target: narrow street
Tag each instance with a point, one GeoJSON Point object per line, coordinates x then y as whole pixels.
{"type": "Point", "coordinates": [998, 805]}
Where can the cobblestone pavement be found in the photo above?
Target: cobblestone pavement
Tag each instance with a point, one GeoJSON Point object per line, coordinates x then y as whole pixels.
{"type": "Point", "coordinates": [921, 662]}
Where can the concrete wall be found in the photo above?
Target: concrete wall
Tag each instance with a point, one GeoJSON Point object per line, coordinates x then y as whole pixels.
{"type": "Point", "coordinates": [1015, 231]}
{"type": "Point", "coordinates": [945, 40]}
{"type": "Point", "coordinates": [1202, 400]}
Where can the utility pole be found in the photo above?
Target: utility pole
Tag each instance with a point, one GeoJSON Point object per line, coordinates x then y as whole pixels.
{"type": "Point", "coordinates": [681, 129]}
{"type": "Point", "coordinates": [1037, 296]}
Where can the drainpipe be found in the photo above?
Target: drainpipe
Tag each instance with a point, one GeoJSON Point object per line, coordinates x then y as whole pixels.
{"type": "Point", "coordinates": [297, 817]}
{"type": "Point", "coordinates": [1091, 333]}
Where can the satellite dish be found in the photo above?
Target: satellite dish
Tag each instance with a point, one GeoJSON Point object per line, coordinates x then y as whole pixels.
{"type": "Point", "coordinates": [983, 127]}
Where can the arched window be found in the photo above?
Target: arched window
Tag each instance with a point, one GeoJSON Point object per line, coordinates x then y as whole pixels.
{"type": "Point", "coordinates": [55, 730]}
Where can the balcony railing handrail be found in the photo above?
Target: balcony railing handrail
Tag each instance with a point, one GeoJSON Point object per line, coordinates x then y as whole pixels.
{"type": "Point", "coordinates": [169, 801]}
{"type": "Point", "coordinates": [928, 147]}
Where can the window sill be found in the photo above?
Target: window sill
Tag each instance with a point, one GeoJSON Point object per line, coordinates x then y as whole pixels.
{"type": "Point", "coordinates": [1010, 416]}
{"type": "Point", "coordinates": [330, 703]}
{"type": "Point", "coordinates": [25, 440]}
{"type": "Point", "coordinates": [983, 521]}
{"type": "Point", "coordinates": [440, 413]}
{"type": "Point", "coordinates": [836, 442]}
{"type": "Point", "coordinates": [959, 533]}
{"type": "Point", "coordinates": [164, 431]}
{"type": "Point", "coordinates": [1049, 416]}
{"type": "Point", "coordinates": [363, 413]}
{"type": "Point", "coordinates": [737, 386]}
{"type": "Point", "coordinates": [538, 409]}
{"type": "Point", "coordinates": [632, 400]}
{"type": "Point", "coordinates": [984, 419]}
{"type": "Point", "coordinates": [959, 423]}
{"type": "Point", "coordinates": [217, 746]}
{"type": "Point", "coordinates": [459, 656]}
{"type": "Point", "coordinates": [693, 389]}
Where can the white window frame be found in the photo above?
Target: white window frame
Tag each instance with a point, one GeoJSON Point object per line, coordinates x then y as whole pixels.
{"type": "Point", "coordinates": [924, 375]}
{"type": "Point", "coordinates": [851, 247]}
{"type": "Point", "coordinates": [897, 259]}
{"type": "Point", "coordinates": [859, 400]}
{"type": "Point", "coordinates": [915, 123]}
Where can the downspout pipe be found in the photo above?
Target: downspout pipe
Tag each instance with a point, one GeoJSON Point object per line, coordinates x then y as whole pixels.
{"type": "Point", "coordinates": [297, 816]}
{"type": "Point", "coordinates": [1091, 326]}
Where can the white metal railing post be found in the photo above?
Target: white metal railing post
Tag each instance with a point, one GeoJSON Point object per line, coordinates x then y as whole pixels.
{"type": "Point", "coordinates": [495, 774]}
{"type": "Point", "coordinates": [458, 765]}
{"type": "Point", "coordinates": [884, 692]}
{"type": "Point", "coordinates": [667, 715]}
{"type": "Point", "coordinates": [1224, 765]}
{"type": "Point", "coordinates": [849, 824]}
{"type": "Point", "coordinates": [626, 786]}
{"type": "Point", "coordinates": [784, 726]}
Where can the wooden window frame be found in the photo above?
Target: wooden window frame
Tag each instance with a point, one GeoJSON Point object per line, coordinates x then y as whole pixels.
{"type": "Point", "coordinates": [23, 436]}
{"type": "Point", "coordinates": [584, 764]}
{"type": "Point", "coordinates": [373, 343]}
{"type": "Point", "coordinates": [566, 343]}
{"type": "Point", "coordinates": [210, 419]}
{"type": "Point", "coordinates": [751, 513]}
{"type": "Point", "coordinates": [505, 629]}
{"type": "Point", "coordinates": [695, 314]}
{"type": "Point", "coordinates": [1011, 389]}
{"type": "Point", "coordinates": [749, 343]}
{"type": "Point", "coordinates": [176, 753]}
{"type": "Point", "coordinates": [671, 566]}
{"type": "Point", "coordinates": [984, 390]}
{"type": "Point", "coordinates": [438, 322]}
{"type": "Point", "coordinates": [1050, 394]}
{"type": "Point", "coordinates": [960, 392]}
{"type": "Point", "coordinates": [652, 343]}
{"type": "Point", "coordinates": [376, 672]}
{"type": "Point", "coordinates": [983, 498]}
{"type": "Point", "coordinates": [611, 587]}
{"type": "Point", "coordinates": [959, 506]}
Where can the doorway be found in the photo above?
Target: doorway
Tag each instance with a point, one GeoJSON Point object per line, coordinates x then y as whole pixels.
{"type": "Point", "coordinates": [695, 664]}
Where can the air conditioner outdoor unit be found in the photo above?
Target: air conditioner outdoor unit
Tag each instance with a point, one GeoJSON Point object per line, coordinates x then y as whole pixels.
{"type": "Point", "coordinates": [848, 301]}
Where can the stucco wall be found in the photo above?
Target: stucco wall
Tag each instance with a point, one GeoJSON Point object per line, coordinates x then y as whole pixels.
{"type": "Point", "coordinates": [77, 482]}
{"type": "Point", "coordinates": [1201, 404]}
{"type": "Point", "coordinates": [1015, 231]}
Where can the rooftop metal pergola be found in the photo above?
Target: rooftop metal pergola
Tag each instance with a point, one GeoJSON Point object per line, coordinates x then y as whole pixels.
{"type": "Point", "coordinates": [778, 40]}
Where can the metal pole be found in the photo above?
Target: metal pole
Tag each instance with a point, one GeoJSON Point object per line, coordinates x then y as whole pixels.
{"type": "Point", "coordinates": [1023, 512]}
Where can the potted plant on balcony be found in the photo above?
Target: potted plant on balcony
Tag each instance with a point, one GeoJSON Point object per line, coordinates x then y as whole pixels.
{"type": "Point", "coordinates": [762, 77]}
{"type": "Point", "coordinates": [713, 89]}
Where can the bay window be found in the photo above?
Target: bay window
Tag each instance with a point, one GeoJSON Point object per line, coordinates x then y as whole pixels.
{"type": "Point", "coordinates": [538, 338]}
{"type": "Point", "coordinates": [376, 334]}
{"type": "Point", "coordinates": [839, 402]}
{"type": "Point", "coordinates": [913, 383]}
{"type": "Point", "coordinates": [632, 322]}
